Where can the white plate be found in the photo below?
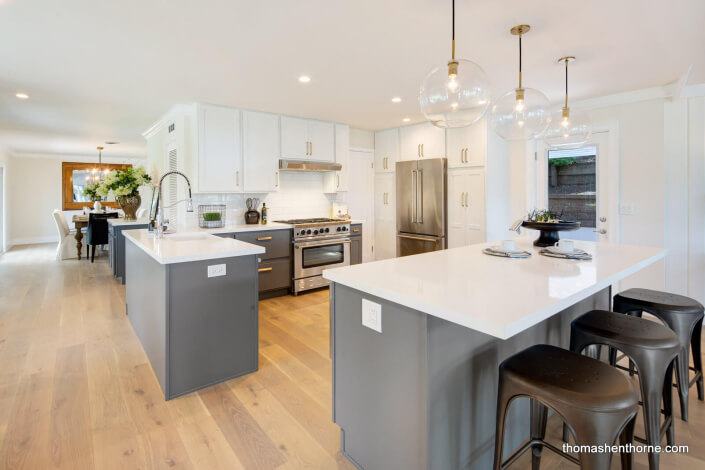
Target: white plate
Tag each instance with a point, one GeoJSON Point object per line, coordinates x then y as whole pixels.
{"type": "Point", "coordinates": [499, 249]}
{"type": "Point", "coordinates": [558, 251]}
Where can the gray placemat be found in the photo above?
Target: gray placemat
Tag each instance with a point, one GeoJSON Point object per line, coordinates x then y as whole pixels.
{"type": "Point", "coordinates": [504, 254]}
{"type": "Point", "coordinates": [576, 254]}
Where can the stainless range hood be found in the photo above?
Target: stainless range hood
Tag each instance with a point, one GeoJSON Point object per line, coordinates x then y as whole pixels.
{"type": "Point", "coordinates": [308, 165]}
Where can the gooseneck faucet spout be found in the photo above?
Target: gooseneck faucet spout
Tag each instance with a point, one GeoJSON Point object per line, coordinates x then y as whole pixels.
{"type": "Point", "coordinates": [160, 209]}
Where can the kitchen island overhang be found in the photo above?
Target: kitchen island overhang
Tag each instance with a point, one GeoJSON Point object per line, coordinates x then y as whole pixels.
{"type": "Point", "coordinates": [422, 394]}
{"type": "Point", "coordinates": [192, 300]}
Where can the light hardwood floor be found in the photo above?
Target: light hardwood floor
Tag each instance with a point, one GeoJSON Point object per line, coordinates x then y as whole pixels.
{"type": "Point", "coordinates": [77, 392]}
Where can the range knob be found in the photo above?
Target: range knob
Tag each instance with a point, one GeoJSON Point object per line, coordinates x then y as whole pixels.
{"type": "Point", "coordinates": [308, 231]}
{"type": "Point", "coordinates": [337, 229]}
{"type": "Point", "coordinates": [345, 229]}
{"type": "Point", "coordinates": [327, 230]}
{"type": "Point", "coordinates": [315, 232]}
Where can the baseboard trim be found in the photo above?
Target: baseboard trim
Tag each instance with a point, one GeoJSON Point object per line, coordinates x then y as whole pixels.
{"type": "Point", "coordinates": [34, 240]}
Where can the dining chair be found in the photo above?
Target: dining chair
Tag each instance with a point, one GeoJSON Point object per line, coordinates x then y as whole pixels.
{"type": "Point", "coordinates": [97, 231]}
{"type": "Point", "coordinates": [67, 243]}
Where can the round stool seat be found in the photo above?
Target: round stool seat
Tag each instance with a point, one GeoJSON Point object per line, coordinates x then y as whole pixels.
{"type": "Point", "coordinates": [653, 299]}
{"type": "Point", "coordinates": [563, 376]}
{"type": "Point", "coordinates": [626, 329]}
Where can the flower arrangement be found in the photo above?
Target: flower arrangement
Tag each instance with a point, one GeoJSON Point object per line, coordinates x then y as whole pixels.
{"type": "Point", "coordinates": [125, 182]}
{"type": "Point", "coordinates": [91, 190]}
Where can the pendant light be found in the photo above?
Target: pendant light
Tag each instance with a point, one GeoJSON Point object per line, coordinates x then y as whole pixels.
{"type": "Point", "coordinates": [567, 128]}
{"type": "Point", "coordinates": [523, 113]}
{"type": "Point", "coordinates": [456, 93]}
{"type": "Point", "coordinates": [97, 173]}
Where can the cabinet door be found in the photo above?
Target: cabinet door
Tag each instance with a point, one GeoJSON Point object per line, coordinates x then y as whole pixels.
{"type": "Point", "coordinates": [456, 140]}
{"type": "Point", "coordinates": [321, 138]}
{"type": "Point", "coordinates": [433, 143]}
{"type": "Point", "coordinates": [466, 145]}
{"type": "Point", "coordinates": [261, 151]}
{"type": "Point", "coordinates": [411, 138]}
{"type": "Point", "coordinates": [457, 188]}
{"type": "Point", "coordinates": [294, 138]}
{"type": "Point", "coordinates": [342, 156]}
{"type": "Point", "coordinates": [386, 150]}
{"type": "Point", "coordinates": [475, 221]}
{"type": "Point", "coordinates": [219, 149]}
{"type": "Point", "coordinates": [385, 190]}
{"type": "Point", "coordinates": [355, 250]}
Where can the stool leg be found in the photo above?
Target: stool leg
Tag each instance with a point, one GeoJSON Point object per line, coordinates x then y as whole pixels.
{"type": "Point", "coordinates": [668, 403]}
{"type": "Point", "coordinates": [696, 344]}
{"type": "Point", "coordinates": [651, 395]}
{"type": "Point", "coordinates": [502, 405]}
{"type": "Point", "coordinates": [539, 416]}
{"type": "Point", "coordinates": [682, 380]}
{"type": "Point", "coordinates": [627, 437]}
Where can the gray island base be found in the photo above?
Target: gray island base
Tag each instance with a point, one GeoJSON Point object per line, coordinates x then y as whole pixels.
{"type": "Point", "coordinates": [196, 330]}
{"type": "Point", "coordinates": [423, 394]}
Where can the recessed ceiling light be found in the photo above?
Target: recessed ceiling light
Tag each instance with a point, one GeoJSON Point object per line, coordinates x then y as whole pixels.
{"type": "Point", "coordinates": [396, 99]}
{"type": "Point", "coordinates": [406, 119]}
{"type": "Point", "coordinates": [22, 96]}
{"type": "Point", "coordinates": [304, 79]}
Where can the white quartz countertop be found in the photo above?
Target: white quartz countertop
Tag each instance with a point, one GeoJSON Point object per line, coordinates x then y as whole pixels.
{"type": "Point", "coordinates": [182, 247]}
{"type": "Point", "coordinates": [497, 296]}
{"type": "Point", "coordinates": [123, 222]}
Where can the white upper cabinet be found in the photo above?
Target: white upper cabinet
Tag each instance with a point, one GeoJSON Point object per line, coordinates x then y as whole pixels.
{"type": "Point", "coordinates": [422, 141]}
{"type": "Point", "coordinates": [321, 138]}
{"type": "Point", "coordinates": [338, 181]}
{"type": "Point", "coordinates": [219, 149]}
{"type": "Point", "coordinates": [261, 151]}
{"type": "Point", "coordinates": [305, 139]}
{"type": "Point", "coordinates": [294, 133]}
{"type": "Point", "coordinates": [386, 150]}
{"type": "Point", "coordinates": [467, 146]}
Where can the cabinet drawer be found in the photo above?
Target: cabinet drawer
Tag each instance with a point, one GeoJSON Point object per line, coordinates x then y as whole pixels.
{"type": "Point", "coordinates": [276, 242]}
{"type": "Point", "coordinates": [356, 230]}
{"type": "Point", "coordinates": [274, 274]}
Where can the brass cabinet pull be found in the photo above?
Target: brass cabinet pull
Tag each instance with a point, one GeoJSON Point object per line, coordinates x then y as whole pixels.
{"type": "Point", "coordinates": [356, 230]}
{"type": "Point", "coordinates": [237, 178]}
{"type": "Point", "coordinates": [422, 150]}
{"type": "Point", "coordinates": [263, 238]}
{"type": "Point", "coordinates": [263, 270]}
{"type": "Point", "coordinates": [276, 176]}
{"type": "Point", "coordinates": [418, 150]}
{"type": "Point", "coordinates": [311, 144]}
{"type": "Point", "coordinates": [338, 175]}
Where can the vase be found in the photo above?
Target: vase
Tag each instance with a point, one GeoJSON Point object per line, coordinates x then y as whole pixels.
{"type": "Point", "coordinates": [129, 205]}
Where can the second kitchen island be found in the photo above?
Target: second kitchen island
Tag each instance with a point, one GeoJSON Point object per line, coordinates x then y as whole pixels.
{"type": "Point", "coordinates": [192, 301]}
{"type": "Point", "coordinates": [417, 341]}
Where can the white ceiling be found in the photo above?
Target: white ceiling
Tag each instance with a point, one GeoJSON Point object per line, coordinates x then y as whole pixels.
{"type": "Point", "coordinates": [105, 70]}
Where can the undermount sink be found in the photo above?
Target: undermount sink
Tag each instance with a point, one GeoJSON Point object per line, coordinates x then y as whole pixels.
{"type": "Point", "coordinates": [187, 237]}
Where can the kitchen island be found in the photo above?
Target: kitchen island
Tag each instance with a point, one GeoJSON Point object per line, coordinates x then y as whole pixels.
{"type": "Point", "coordinates": [416, 389]}
{"type": "Point", "coordinates": [192, 300]}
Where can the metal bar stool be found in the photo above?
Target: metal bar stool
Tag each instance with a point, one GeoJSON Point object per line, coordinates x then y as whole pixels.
{"type": "Point", "coordinates": [684, 316]}
{"type": "Point", "coordinates": [652, 348]}
{"type": "Point", "coordinates": [597, 402]}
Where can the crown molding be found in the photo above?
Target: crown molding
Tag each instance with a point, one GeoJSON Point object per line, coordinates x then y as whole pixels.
{"type": "Point", "coordinates": [92, 157]}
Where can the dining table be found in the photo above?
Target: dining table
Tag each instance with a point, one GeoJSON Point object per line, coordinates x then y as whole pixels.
{"type": "Point", "coordinates": [80, 221]}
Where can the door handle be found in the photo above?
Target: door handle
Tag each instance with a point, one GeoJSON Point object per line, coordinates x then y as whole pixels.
{"type": "Point", "coordinates": [601, 231]}
{"type": "Point", "coordinates": [414, 195]}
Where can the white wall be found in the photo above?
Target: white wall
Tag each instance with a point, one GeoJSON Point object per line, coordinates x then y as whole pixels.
{"type": "Point", "coordinates": [360, 138]}
{"type": "Point", "coordinates": [5, 242]}
{"type": "Point", "coordinates": [35, 191]}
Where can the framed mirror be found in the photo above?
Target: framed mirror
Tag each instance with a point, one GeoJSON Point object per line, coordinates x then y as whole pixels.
{"type": "Point", "coordinates": [75, 177]}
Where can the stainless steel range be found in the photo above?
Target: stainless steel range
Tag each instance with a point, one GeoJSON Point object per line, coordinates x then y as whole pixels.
{"type": "Point", "coordinates": [318, 244]}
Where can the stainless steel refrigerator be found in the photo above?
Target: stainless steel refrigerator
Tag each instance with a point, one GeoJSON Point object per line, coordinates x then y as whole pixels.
{"type": "Point", "coordinates": [421, 206]}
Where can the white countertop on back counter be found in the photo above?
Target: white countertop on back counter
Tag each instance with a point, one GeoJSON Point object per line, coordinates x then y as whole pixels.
{"type": "Point", "coordinates": [497, 296]}
{"type": "Point", "coordinates": [186, 246]}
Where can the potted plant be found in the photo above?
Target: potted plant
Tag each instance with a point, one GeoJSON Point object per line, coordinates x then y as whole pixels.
{"type": "Point", "coordinates": [125, 184]}
{"type": "Point", "coordinates": [91, 190]}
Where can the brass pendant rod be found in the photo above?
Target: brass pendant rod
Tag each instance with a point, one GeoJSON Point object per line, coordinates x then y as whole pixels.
{"type": "Point", "coordinates": [453, 32]}
{"type": "Point", "coordinates": [566, 83]}
{"type": "Point", "coordinates": [520, 61]}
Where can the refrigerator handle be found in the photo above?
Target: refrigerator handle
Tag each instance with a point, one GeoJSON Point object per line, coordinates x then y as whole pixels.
{"type": "Point", "coordinates": [419, 192]}
{"type": "Point", "coordinates": [414, 178]}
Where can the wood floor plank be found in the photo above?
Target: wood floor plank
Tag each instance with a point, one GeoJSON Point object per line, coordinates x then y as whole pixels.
{"type": "Point", "coordinates": [251, 444]}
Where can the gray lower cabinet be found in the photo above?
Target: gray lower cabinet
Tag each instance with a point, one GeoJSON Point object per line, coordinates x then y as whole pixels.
{"type": "Point", "coordinates": [275, 267]}
{"type": "Point", "coordinates": [196, 330]}
{"type": "Point", "coordinates": [116, 245]}
{"type": "Point", "coordinates": [356, 244]}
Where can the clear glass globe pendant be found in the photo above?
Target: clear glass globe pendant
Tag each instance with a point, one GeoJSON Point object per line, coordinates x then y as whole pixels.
{"type": "Point", "coordinates": [567, 129]}
{"type": "Point", "coordinates": [523, 113]}
{"type": "Point", "coordinates": [456, 93]}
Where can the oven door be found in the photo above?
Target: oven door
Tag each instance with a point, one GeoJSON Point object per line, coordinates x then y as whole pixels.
{"type": "Point", "coordinates": [311, 258]}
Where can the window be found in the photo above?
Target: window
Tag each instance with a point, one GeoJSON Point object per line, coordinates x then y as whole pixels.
{"type": "Point", "coordinates": [572, 178]}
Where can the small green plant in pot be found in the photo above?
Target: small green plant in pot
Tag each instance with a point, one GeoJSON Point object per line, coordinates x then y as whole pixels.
{"type": "Point", "coordinates": [211, 217]}
{"type": "Point", "coordinates": [91, 190]}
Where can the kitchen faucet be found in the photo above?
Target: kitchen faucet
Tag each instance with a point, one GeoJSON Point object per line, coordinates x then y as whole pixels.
{"type": "Point", "coordinates": [160, 209]}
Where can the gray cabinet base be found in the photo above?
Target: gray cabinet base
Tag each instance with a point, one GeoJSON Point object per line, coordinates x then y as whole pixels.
{"type": "Point", "coordinates": [195, 330]}
{"type": "Point", "coordinates": [422, 394]}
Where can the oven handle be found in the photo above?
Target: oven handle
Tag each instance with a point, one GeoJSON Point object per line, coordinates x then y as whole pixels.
{"type": "Point", "coordinates": [309, 245]}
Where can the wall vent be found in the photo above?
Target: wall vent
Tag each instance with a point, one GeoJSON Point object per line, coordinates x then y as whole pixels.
{"type": "Point", "coordinates": [171, 128]}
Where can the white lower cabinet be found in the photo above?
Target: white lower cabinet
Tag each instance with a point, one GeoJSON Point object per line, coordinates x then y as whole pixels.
{"type": "Point", "coordinates": [261, 151]}
{"type": "Point", "coordinates": [385, 216]}
{"type": "Point", "coordinates": [466, 207]}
